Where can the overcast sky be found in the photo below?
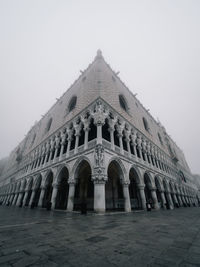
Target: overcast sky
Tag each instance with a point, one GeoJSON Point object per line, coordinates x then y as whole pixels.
{"type": "Point", "coordinates": [154, 44]}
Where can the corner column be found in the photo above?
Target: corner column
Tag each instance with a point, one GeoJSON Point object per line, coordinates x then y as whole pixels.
{"type": "Point", "coordinates": [99, 196]}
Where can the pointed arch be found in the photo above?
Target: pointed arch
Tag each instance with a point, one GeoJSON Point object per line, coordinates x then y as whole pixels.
{"type": "Point", "coordinates": [84, 189]}
{"type": "Point", "coordinates": [148, 186]}
{"type": "Point", "coordinates": [63, 188]}
{"type": "Point", "coordinates": [77, 164]}
{"type": "Point", "coordinates": [113, 190]}
{"type": "Point", "coordinates": [48, 187]}
{"type": "Point", "coordinates": [134, 192]}
{"type": "Point", "coordinates": [121, 169]}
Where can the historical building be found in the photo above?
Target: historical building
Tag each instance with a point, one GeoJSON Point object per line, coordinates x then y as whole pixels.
{"type": "Point", "coordinates": [98, 145]}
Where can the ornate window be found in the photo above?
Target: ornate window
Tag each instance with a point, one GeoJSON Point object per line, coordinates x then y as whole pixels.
{"type": "Point", "coordinates": [160, 139]}
{"type": "Point", "coordinates": [123, 103]}
{"type": "Point", "coordinates": [48, 125]}
{"type": "Point", "coordinates": [72, 103]}
{"type": "Point", "coordinates": [146, 125]}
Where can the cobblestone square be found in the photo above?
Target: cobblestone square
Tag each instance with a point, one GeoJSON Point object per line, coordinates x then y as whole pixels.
{"type": "Point", "coordinates": [56, 238]}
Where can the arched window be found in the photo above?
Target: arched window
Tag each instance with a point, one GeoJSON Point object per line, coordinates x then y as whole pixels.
{"type": "Point", "coordinates": [123, 103]}
{"type": "Point", "coordinates": [160, 139]}
{"type": "Point", "coordinates": [146, 125]}
{"type": "Point", "coordinates": [72, 103]}
{"type": "Point", "coordinates": [49, 125]}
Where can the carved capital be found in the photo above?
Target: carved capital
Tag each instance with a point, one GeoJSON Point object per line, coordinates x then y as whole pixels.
{"type": "Point", "coordinates": [100, 114]}
{"type": "Point", "coordinates": [125, 183]}
{"type": "Point", "coordinates": [141, 186]}
{"type": "Point", "coordinates": [77, 128]}
{"type": "Point", "coordinates": [55, 185]}
{"type": "Point", "coordinates": [139, 141]}
{"type": "Point", "coordinates": [70, 134]}
{"type": "Point", "coordinates": [99, 178]}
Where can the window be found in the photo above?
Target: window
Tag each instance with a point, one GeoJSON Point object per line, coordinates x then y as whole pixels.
{"type": "Point", "coordinates": [72, 103]}
{"type": "Point", "coordinates": [48, 125]}
{"type": "Point", "coordinates": [33, 140]}
{"type": "Point", "coordinates": [123, 103]}
{"type": "Point", "coordinates": [160, 139]}
{"type": "Point", "coordinates": [146, 125]}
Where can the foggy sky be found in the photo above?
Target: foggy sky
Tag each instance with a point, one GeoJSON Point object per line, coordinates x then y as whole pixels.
{"type": "Point", "coordinates": [154, 44]}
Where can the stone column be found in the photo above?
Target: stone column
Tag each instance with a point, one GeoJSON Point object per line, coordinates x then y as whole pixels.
{"type": "Point", "coordinates": [182, 198]}
{"type": "Point", "coordinates": [14, 199]}
{"type": "Point", "coordinates": [154, 197]}
{"type": "Point", "coordinates": [179, 200]}
{"type": "Point", "coordinates": [121, 144]}
{"type": "Point", "coordinates": [69, 139]}
{"type": "Point", "coordinates": [144, 149]}
{"type": "Point", "coordinates": [127, 133]}
{"type": "Point", "coordinates": [142, 195]}
{"type": "Point", "coordinates": [19, 198]}
{"type": "Point", "coordinates": [70, 203]}
{"type": "Point", "coordinates": [120, 129]}
{"type": "Point", "coordinates": [175, 198]}
{"type": "Point", "coordinates": [86, 123]}
{"type": "Point", "coordinates": [168, 195]}
{"type": "Point", "coordinates": [99, 196]}
{"type": "Point", "coordinates": [133, 139]}
{"type": "Point", "coordinates": [76, 143]}
{"type": "Point", "coordinates": [139, 141]}
{"type": "Point", "coordinates": [25, 197]}
{"type": "Point", "coordinates": [99, 117]}
{"type": "Point", "coordinates": [32, 197]}
{"type": "Point", "coordinates": [163, 199]}
{"type": "Point", "coordinates": [99, 133]}
{"type": "Point", "coordinates": [111, 130]}
{"type": "Point", "coordinates": [77, 127]}
{"type": "Point", "coordinates": [86, 138]}
{"type": "Point", "coordinates": [54, 195]}
{"type": "Point", "coordinates": [63, 138]}
{"type": "Point", "coordinates": [128, 146]}
{"type": "Point", "coordinates": [57, 143]}
{"type": "Point", "coordinates": [127, 203]}
{"type": "Point", "coordinates": [40, 202]}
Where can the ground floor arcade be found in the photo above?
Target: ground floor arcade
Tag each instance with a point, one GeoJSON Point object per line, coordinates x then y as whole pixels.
{"type": "Point", "coordinates": [122, 187]}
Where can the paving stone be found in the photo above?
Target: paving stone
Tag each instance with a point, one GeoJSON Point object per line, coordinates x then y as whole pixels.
{"type": "Point", "coordinates": [135, 239]}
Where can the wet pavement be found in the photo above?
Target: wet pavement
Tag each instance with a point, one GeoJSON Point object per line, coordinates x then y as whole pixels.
{"type": "Point", "coordinates": [56, 238]}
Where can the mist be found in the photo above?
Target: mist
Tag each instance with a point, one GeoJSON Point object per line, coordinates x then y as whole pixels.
{"type": "Point", "coordinates": [154, 45]}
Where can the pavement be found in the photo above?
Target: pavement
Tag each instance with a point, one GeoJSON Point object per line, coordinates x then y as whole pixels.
{"type": "Point", "coordinates": [57, 238]}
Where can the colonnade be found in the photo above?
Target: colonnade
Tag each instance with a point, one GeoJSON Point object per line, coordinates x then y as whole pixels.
{"type": "Point", "coordinates": [155, 190]}
{"type": "Point", "coordinates": [101, 123]}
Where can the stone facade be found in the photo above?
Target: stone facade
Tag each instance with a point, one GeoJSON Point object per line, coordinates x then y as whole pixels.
{"type": "Point", "coordinates": [98, 146]}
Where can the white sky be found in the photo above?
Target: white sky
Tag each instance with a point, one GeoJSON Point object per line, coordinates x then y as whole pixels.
{"type": "Point", "coordinates": [154, 44]}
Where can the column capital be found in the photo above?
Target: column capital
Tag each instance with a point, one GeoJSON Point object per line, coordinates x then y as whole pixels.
{"type": "Point", "coordinates": [99, 179]}
{"type": "Point", "coordinates": [100, 113]}
{"type": "Point", "coordinates": [72, 181]}
{"type": "Point", "coordinates": [55, 185]}
{"type": "Point", "coordinates": [77, 128]}
{"type": "Point", "coordinates": [125, 183]}
{"type": "Point", "coordinates": [141, 186]}
{"type": "Point", "coordinates": [153, 188]}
